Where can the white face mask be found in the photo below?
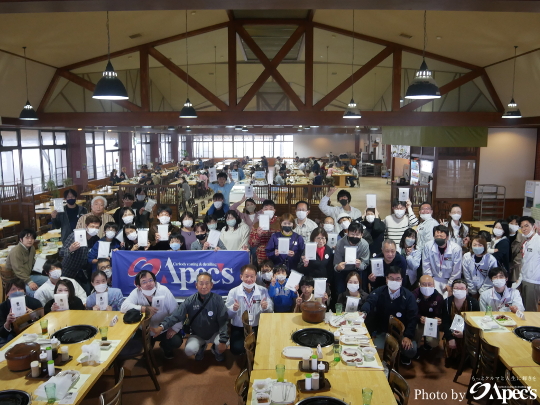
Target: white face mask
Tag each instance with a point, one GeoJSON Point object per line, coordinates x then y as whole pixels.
{"type": "Point", "coordinates": [100, 287]}
{"type": "Point", "coordinates": [267, 276]}
{"type": "Point", "coordinates": [370, 218]}
{"type": "Point", "coordinates": [132, 236]}
{"type": "Point", "coordinates": [247, 286]}
{"type": "Point", "coordinates": [92, 231]}
{"type": "Point", "coordinates": [456, 217]}
{"type": "Point", "coordinates": [353, 287]}
{"type": "Point", "coordinates": [328, 227]}
{"type": "Point", "coordinates": [301, 215]}
{"type": "Point", "coordinates": [108, 273]}
{"type": "Point", "coordinates": [55, 274]}
{"type": "Point", "coordinates": [250, 208]}
{"type": "Point", "coordinates": [460, 294]}
{"type": "Point", "coordinates": [498, 232]}
{"type": "Point", "coordinates": [345, 224]}
{"type": "Point", "coordinates": [212, 226]}
{"type": "Point", "coordinates": [128, 219]}
{"type": "Point", "coordinates": [399, 213]}
{"type": "Point", "coordinates": [409, 241]}
{"type": "Point", "coordinates": [149, 292]}
{"type": "Point", "coordinates": [110, 234]}
{"type": "Point", "coordinates": [499, 282]}
{"type": "Point", "coordinates": [218, 204]}
{"type": "Point", "coordinates": [513, 228]}
{"type": "Point", "coordinates": [270, 213]}
{"type": "Point", "coordinates": [187, 223]}
{"type": "Point", "coordinates": [141, 197]}
{"type": "Point", "coordinates": [281, 277]}
{"type": "Point", "coordinates": [164, 219]}
{"type": "Point", "coordinates": [425, 217]}
{"type": "Point", "coordinates": [394, 285]}
{"type": "Point", "coordinates": [529, 235]}
{"type": "Point", "coordinates": [427, 291]}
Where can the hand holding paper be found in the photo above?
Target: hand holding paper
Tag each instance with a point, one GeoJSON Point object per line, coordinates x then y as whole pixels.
{"type": "Point", "coordinates": [293, 280]}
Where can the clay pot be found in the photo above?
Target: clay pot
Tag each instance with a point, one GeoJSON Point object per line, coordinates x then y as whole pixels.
{"type": "Point", "coordinates": [535, 344]}
{"type": "Point", "coordinates": [20, 356]}
{"type": "Point", "coordinates": [313, 311]}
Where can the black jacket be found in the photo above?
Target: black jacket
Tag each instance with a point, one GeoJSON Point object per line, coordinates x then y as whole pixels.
{"type": "Point", "coordinates": [376, 228]}
{"type": "Point", "coordinates": [342, 298]}
{"type": "Point", "coordinates": [379, 307]}
{"type": "Point", "coordinates": [399, 261]}
{"type": "Point", "coordinates": [503, 253]}
{"type": "Point", "coordinates": [319, 268]}
{"type": "Point", "coordinates": [74, 303]}
{"type": "Point", "coordinates": [62, 221]}
{"type": "Point", "coordinates": [446, 320]}
{"type": "Point", "coordinates": [5, 307]}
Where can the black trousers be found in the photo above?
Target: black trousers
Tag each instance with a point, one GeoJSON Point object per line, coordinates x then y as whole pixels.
{"type": "Point", "coordinates": [237, 339]}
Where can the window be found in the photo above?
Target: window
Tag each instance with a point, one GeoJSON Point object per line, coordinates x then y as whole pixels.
{"type": "Point", "coordinates": [141, 150]}
{"type": "Point", "coordinates": [182, 147]}
{"type": "Point", "coordinates": [238, 146]}
{"type": "Point", "coordinates": [165, 148]}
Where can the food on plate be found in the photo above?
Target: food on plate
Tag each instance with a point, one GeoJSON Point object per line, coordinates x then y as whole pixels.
{"type": "Point", "coordinates": [350, 352]}
{"type": "Point", "coordinates": [502, 318]}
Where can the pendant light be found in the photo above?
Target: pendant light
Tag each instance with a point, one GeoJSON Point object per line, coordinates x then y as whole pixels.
{"type": "Point", "coordinates": [110, 87]}
{"type": "Point", "coordinates": [513, 110]}
{"type": "Point", "coordinates": [187, 111]}
{"type": "Point", "coordinates": [27, 113]}
{"type": "Point", "coordinates": [352, 111]}
{"type": "Point", "coordinates": [423, 86]}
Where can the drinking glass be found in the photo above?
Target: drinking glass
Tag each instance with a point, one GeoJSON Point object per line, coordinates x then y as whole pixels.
{"type": "Point", "coordinates": [336, 353]}
{"type": "Point", "coordinates": [50, 390]}
{"type": "Point", "coordinates": [367, 393]}
{"type": "Point", "coordinates": [339, 309]}
{"type": "Point", "coordinates": [280, 371]}
{"type": "Point", "coordinates": [489, 311]}
{"type": "Point", "coordinates": [44, 323]}
{"type": "Point", "coordinates": [103, 330]}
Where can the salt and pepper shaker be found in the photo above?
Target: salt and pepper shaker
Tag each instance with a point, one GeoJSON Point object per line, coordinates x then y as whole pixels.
{"type": "Point", "coordinates": [305, 362]}
{"type": "Point", "coordinates": [321, 369]}
{"type": "Point", "coordinates": [50, 367]}
{"type": "Point", "coordinates": [336, 337]}
{"type": "Point", "coordinates": [314, 362]}
{"type": "Point", "coordinates": [308, 382]}
{"type": "Point", "coordinates": [54, 345]}
{"type": "Point", "coordinates": [43, 362]}
{"type": "Point", "coordinates": [65, 353]}
{"type": "Point", "coordinates": [315, 381]}
{"type": "Point", "coordinates": [49, 353]}
{"type": "Point", "coordinates": [35, 369]}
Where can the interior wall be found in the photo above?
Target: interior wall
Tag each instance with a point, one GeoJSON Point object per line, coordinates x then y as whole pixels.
{"type": "Point", "coordinates": [320, 145]}
{"type": "Point", "coordinates": [509, 159]}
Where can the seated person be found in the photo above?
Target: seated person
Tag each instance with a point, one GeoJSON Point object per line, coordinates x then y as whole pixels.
{"type": "Point", "coordinates": [430, 303]}
{"type": "Point", "coordinates": [127, 200]}
{"type": "Point", "coordinates": [164, 214]}
{"type": "Point", "coordinates": [115, 298]}
{"type": "Point", "coordinates": [20, 262]}
{"type": "Point", "coordinates": [201, 233]}
{"type": "Point", "coordinates": [208, 320]}
{"type": "Point", "coordinates": [266, 274]}
{"type": "Point", "coordinates": [501, 297]}
{"type": "Point", "coordinates": [131, 239]}
{"type": "Point", "coordinates": [329, 226]}
{"type": "Point", "coordinates": [307, 286]}
{"type": "Point", "coordinates": [14, 288]}
{"type": "Point", "coordinates": [354, 289]}
{"type": "Point", "coordinates": [392, 299]}
{"type": "Point", "coordinates": [127, 217]}
{"type": "Point", "coordinates": [64, 287]}
{"type": "Point", "coordinates": [141, 299]}
{"type": "Point", "coordinates": [104, 265]}
{"type": "Point", "coordinates": [344, 221]}
{"type": "Point", "coordinates": [111, 230]}
{"type": "Point", "coordinates": [219, 209]}
{"type": "Point", "coordinates": [476, 265]}
{"type": "Point", "coordinates": [211, 222]}
{"type": "Point", "coordinates": [177, 242]}
{"type": "Point", "coordinates": [323, 265]}
{"type": "Point", "coordinates": [455, 304]}
{"type": "Point", "coordinates": [283, 298]}
{"type": "Point", "coordinates": [53, 269]}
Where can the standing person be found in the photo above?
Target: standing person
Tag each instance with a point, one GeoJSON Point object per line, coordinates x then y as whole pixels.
{"type": "Point", "coordinates": [425, 229]}
{"type": "Point", "coordinates": [412, 255]}
{"type": "Point", "coordinates": [67, 220]}
{"type": "Point", "coordinates": [304, 225]}
{"type": "Point", "coordinates": [430, 303]}
{"type": "Point", "coordinates": [441, 259]}
{"type": "Point", "coordinates": [249, 297]}
{"type": "Point", "coordinates": [97, 208]}
{"type": "Point", "coordinates": [517, 242]}
{"type": "Point", "coordinates": [296, 244]}
{"type": "Point", "coordinates": [283, 298]}
{"type": "Point", "coordinates": [501, 297]}
{"type": "Point", "coordinates": [258, 238]}
{"type": "Point", "coordinates": [222, 186]}
{"type": "Point", "coordinates": [201, 243]}
{"type": "Point", "coordinates": [127, 201]}
{"type": "Point", "coordinates": [398, 222]}
{"type": "Point", "coordinates": [499, 246]}
{"type": "Point", "coordinates": [353, 239]}
{"type": "Point", "coordinates": [235, 234]}
{"type": "Point", "coordinates": [164, 214]}
{"type": "Point", "coordinates": [391, 258]}
{"type": "Point", "coordinates": [354, 289]}
{"type": "Point", "coordinates": [187, 220]}
{"type": "Point", "coordinates": [239, 170]}
{"type": "Point", "coordinates": [376, 228]}
{"type": "Point", "coordinates": [476, 265]}
{"type": "Point", "coordinates": [323, 265]}
{"type": "Point", "coordinates": [344, 199]}
{"type": "Point", "coordinates": [248, 216]}
{"type": "Point", "coordinates": [264, 163]}
{"type": "Point", "coordinates": [208, 320]}
{"type": "Point", "coordinates": [186, 190]}
{"type": "Point", "coordinates": [127, 218]}
{"type": "Point", "coordinates": [131, 236]}
{"type": "Point", "coordinates": [142, 217]}
{"type": "Point", "coordinates": [513, 228]}
{"type": "Point", "coordinates": [204, 178]}
{"type": "Point", "coordinates": [219, 209]}
{"type": "Point", "coordinates": [459, 232]}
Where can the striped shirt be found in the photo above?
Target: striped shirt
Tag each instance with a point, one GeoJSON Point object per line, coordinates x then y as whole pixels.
{"type": "Point", "coordinates": [396, 227]}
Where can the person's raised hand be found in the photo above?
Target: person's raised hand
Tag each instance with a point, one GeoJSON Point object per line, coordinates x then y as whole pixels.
{"type": "Point", "coordinates": [236, 305]}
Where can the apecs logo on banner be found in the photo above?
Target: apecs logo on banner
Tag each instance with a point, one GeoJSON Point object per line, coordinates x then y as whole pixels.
{"type": "Point", "coordinates": [491, 391]}
{"type": "Point", "coordinates": [178, 270]}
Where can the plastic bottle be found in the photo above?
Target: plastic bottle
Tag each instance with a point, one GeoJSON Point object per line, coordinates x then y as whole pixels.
{"type": "Point", "coordinates": [49, 353]}
{"type": "Point", "coordinates": [314, 362]}
{"type": "Point", "coordinates": [308, 382]}
{"type": "Point", "coordinates": [315, 381]}
{"type": "Point", "coordinates": [50, 368]}
{"type": "Point", "coordinates": [36, 371]}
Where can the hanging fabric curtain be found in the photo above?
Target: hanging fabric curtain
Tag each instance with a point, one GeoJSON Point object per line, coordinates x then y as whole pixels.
{"type": "Point", "coordinates": [435, 136]}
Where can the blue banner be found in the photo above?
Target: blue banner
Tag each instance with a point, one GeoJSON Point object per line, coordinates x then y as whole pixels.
{"type": "Point", "coordinates": [178, 270]}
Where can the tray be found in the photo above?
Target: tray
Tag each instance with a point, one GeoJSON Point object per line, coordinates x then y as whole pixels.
{"type": "Point", "coordinates": [58, 361]}
{"type": "Point", "coordinates": [297, 352]}
{"type": "Point", "coordinates": [42, 376]}
{"type": "Point", "coordinates": [326, 365]}
{"type": "Point", "coordinates": [324, 385]}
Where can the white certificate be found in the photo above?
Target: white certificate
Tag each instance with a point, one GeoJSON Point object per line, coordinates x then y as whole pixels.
{"type": "Point", "coordinates": [150, 204]}
{"type": "Point", "coordinates": [104, 249]}
{"type": "Point", "coordinates": [377, 267]}
{"type": "Point", "coordinates": [458, 324]}
{"type": "Point", "coordinates": [157, 301]}
{"type": "Point", "coordinates": [403, 194]}
{"type": "Point", "coordinates": [234, 176]}
{"type": "Point", "coordinates": [320, 287]}
{"type": "Point", "coordinates": [163, 231]}
{"type": "Point", "coordinates": [213, 238]}
{"type": "Point", "coordinates": [371, 200]}
{"type": "Point", "coordinates": [283, 246]}
{"type": "Point", "coordinates": [260, 175]}
{"type": "Point", "coordinates": [120, 236]}
{"type": "Point", "coordinates": [18, 306]}
{"type": "Point", "coordinates": [102, 300]}
{"type": "Point", "coordinates": [38, 265]}
{"type": "Point", "coordinates": [212, 175]}
{"type": "Point", "coordinates": [58, 204]}
{"type": "Point", "coordinates": [293, 280]}
{"type": "Point", "coordinates": [311, 251]}
{"type": "Point", "coordinates": [264, 222]}
{"type": "Point", "coordinates": [249, 191]}
{"type": "Point", "coordinates": [350, 254]}
{"type": "Point", "coordinates": [352, 304]}
{"type": "Point", "coordinates": [142, 237]}
{"type": "Point", "coordinates": [80, 236]}
{"type": "Point", "coordinates": [430, 327]}
{"type": "Point", "coordinates": [62, 301]}
{"type": "Point", "coordinates": [332, 240]}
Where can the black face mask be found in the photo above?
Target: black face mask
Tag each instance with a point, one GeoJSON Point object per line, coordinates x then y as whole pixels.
{"type": "Point", "coordinates": [354, 239]}
{"type": "Point", "coordinates": [440, 242]}
{"type": "Point", "coordinates": [287, 229]}
{"type": "Point", "coordinates": [202, 236]}
{"type": "Point", "coordinates": [71, 201]}
{"type": "Point", "coordinates": [344, 201]}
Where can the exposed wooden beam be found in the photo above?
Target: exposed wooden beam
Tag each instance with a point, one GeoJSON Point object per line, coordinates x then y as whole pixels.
{"type": "Point", "coordinates": [194, 84]}
{"type": "Point", "coordinates": [308, 66]}
{"type": "Point", "coordinates": [230, 14]}
{"type": "Point", "coordinates": [345, 84]}
{"type": "Point", "coordinates": [145, 79]}
{"type": "Point", "coordinates": [311, 14]}
{"type": "Point", "coordinates": [447, 88]}
{"type": "Point", "coordinates": [270, 21]}
{"type": "Point", "coordinates": [88, 85]}
{"type": "Point", "coordinates": [493, 94]}
{"type": "Point", "coordinates": [396, 79]}
{"type": "Point", "coordinates": [49, 92]}
{"type": "Point", "coordinates": [137, 48]}
{"type": "Point", "coordinates": [231, 63]}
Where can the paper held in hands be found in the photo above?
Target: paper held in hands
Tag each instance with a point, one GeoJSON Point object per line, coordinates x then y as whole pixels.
{"type": "Point", "coordinates": [377, 267]}
{"type": "Point", "coordinates": [213, 238]}
{"type": "Point", "coordinates": [212, 175]}
{"type": "Point", "coordinates": [104, 249]}
{"type": "Point", "coordinates": [283, 246]}
{"type": "Point", "coordinates": [120, 236]}
{"type": "Point", "coordinates": [149, 205]}
{"type": "Point", "coordinates": [62, 301]}
{"type": "Point", "coordinates": [332, 240]}
{"type": "Point", "coordinates": [430, 328]}
{"type": "Point", "coordinates": [350, 254]}
{"type": "Point", "coordinates": [142, 237]}
{"type": "Point", "coordinates": [264, 222]}
{"type": "Point", "coordinates": [403, 194]}
{"type": "Point", "coordinates": [371, 200]}
{"type": "Point", "coordinates": [352, 304]}
{"type": "Point", "coordinates": [58, 204]}
{"type": "Point", "coordinates": [458, 324]}
{"type": "Point", "coordinates": [18, 306]}
{"type": "Point", "coordinates": [234, 176]}
{"type": "Point", "coordinates": [320, 287]}
{"type": "Point", "coordinates": [80, 236]}
{"type": "Point", "coordinates": [293, 280]}
{"type": "Point", "coordinates": [163, 231]}
{"type": "Point", "coordinates": [249, 191]}
{"type": "Point", "coordinates": [311, 251]}
{"type": "Point", "coordinates": [38, 265]}
{"type": "Point", "coordinates": [102, 300]}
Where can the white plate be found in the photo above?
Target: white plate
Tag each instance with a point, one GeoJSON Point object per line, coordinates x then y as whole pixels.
{"type": "Point", "coordinates": [358, 330]}
{"type": "Point", "coordinates": [355, 340]}
{"type": "Point", "coordinates": [349, 354]}
{"type": "Point", "coordinates": [509, 322]}
{"type": "Point", "coordinates": [297, 352]}
{"type": "Point", "coordinates": [336, 321]}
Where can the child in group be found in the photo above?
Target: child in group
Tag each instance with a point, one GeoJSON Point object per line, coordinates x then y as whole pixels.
{"type": "Point", "coordinates": [177, 242]}
{"type": "Point", "coordinates": [283, 298]}
{"type": "Point", "coordinates": [307, 286]}
{"type": "Point", "coordinates": [265, 275]}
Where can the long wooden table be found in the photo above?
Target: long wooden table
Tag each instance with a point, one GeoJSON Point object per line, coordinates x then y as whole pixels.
{"type": "Point", "coordinates": [341, 179]}
{"type": "Point", "coordinates": [529, 376]}
{"type": "Point", "coordinates": [58, 320]}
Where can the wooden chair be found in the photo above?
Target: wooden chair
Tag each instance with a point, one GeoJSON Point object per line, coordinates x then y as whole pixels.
{"type": "Point", "coordinates": [114, 395]}
{"type": "Point", "coordinates": [195, 211]}
{"type": "Point", "coordinates": [511, 383]}
{"type": "Point", "coordinates": [23, 322]}
{"type": "Point", "coordinates": [399, 387]}
{"type": "Point", "coordinates": [138, 348]}
{"type": "Point", "coordinates": [241, 386]}
{"type": "Point", "coordinates": [245, 321]}
{"type": "Point", "coordinates": [7, 276]}
{"type": "Point", "coordinates": [390, 353]}
{"type": "Point", "coordinates": [471, 340]}
{"type": "Point", "coordinates": [249, 344]}
{"type": "Point", "coordinates": [210, 200]}
{"type": "Point", "coordinates": [486, 365]}
{"type": "Point", "coordinates": [44, 229]}
{"type": "Point", "coordinates": [203, 205]}
{"type": "Point", "coordinates": [396, 329]}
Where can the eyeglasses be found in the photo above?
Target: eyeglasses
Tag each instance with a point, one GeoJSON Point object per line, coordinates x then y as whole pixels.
{"type": "Point", "coordinates": [105, 268]}
{"type": "Point", "coordinates": [321, 238]}
{"type": "Point", "coordinates": [145, 282]}
{"type": "Point", "coordinates": [204, 283]}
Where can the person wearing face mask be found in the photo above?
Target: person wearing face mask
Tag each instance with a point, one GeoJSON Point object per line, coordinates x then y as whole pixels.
{"type": "Point", "coordinates": [456, 304]}
{"type": "Point", "coordinates": [53, 269]}
{"type": "Point", "coordinates": [296, 244]}
{"type": "Point", "coordinates": [64, 287]}
{"type": "Point", "coordinates": [501, 297]}
{"type": "Point", "coordinates": [516, 239]}
{"type": "Point", "coordinates": [235, 234]}
{"type": "Point", "coordinates": [412, 255]}
{"type": "Point", "coordinates": [211, 222]}
{"type": "Point", "coordinates": [127, 218]}
{"type": "Point", "coordinates": [344, 199]}
{"type": "Point", "coordinates": [97, 208]}
{"type": "Point", "coordinates": [249, 216]}
{"type": "Point", "coordinates": [392, 300]}
{"type": "Point", "coordinates": [425, 228]}
{"type": "Point", "coordinates": [476, 265]}
{"type": "Point", "coordinates": [115, 298]}
{"type": "Point", "coordinates": [142, 217]}
{"type": "Point", "coordinates": [67, 220]}
{"type": "Point", "coordinates": [344, 221]}
{"type": "Point", "coordinates": [430, 303]}
{"type": "Point", "coordinates": [530, 270]}
{"type": "Point", "coordinates": [376, 227]}
{"type": "Point", "coordinates": [219, 209]}
{"type": "Point", "coordinates": [305, 294]}
{"type": "Point", "coordinates": [164, 214]}
{"type": "Point", "coordinates": [141, 299]}
{"type": "Point", "coordinates": [499, 246]}
{"type": "Point", "coordinates": [75, 257]}
{"type": "Point", "coordinates": [128, 201]}
{"type": "Point", "coordinates": [131, 235]}
{"type": "Point", "coordinates": [258, 237]}
{"type": "Point", "coordinates": [187, 220]}
{"type": "Point", "coordinates": [513, 229]}
{"type": "Point", "coordinates": [222, 186]}
{"type": "Point", "coordinates": [323, 265]}
{"type": "Point", "coordinates": [283, 298]}
{"type": "Point", "coordinates": [459, 232]}
{"type": "Point", "coordinates": [354, 289]}
{"type": "Point", "coordinates": [303, 225]}
{"type": "Point", "coordinates": [104, 265]}
{"type": "Point", "coordinates": [201, 243]}
{"type": "Point", "coordinates": [249, 297]}
{"type": "Point", "coordinates": [391, 258]}
{"type": "Point", "coordinates": [402, 218]}
{"type": "Point", "coordinates": [176, 242]}
{"type": "Point", "coordinates": [111, 230]}
{"type": "Point", "coordinates": [266, 273]}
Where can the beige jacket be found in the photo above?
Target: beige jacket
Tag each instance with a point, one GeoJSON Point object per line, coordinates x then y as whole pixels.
{"type": "Point", "coordinates": [21, 261]}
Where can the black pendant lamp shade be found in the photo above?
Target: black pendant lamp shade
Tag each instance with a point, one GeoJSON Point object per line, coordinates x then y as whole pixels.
{"type": "Point", "coordinates": [423, 86]}
{"type": "Point", "coordinates": [352, 111]}
{"type": "Point", "coordinates": [513, 110]}
{"type": "Point", "coordinates": [27, 113]}
{"type": "Point", "coordinates": [110, 87]}
{"type": "Point", "coordinates": [188, 111]}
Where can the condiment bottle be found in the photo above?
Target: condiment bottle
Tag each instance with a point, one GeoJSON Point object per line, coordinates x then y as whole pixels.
{"type": "Point", "coordinates": [50, 368]}
{"type": "Point", "coordinates": [54, 344]}
{"type": "Point", "coordinates": [305, 362]}
{"type": "Point", "coordinates": [49, 353]}
{"type": "Point", "coordinates": [314, 362]}
{"type": "Point", "coordinates": [336, 337]}
{"type": "Point", "coordinates": [315, 381]}
{"type": "Point", "coordinates": [36, 371]}
{"type": "Point", "coordinates": [308, 382]}
{"type": "Point", "coordinates": [65, 353]}
{"type": "Point", "coordinates": [321, 369]}
{"type": "Point", "coordinates": [43, 361]}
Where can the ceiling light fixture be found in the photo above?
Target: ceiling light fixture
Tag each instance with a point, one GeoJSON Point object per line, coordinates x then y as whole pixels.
{"type": "Point", "coordinates": [188, 129]}
{"type": "Point", "coordinates": [27, 113]}
{"type": "Point", "coordinates": [238, 128]}
{"type": "Point", "coordinates": [244, 129]}
{"type": "Point", "coordinates": [170, 128]}
{"type": "Point", "coordinates": [109, 87]}
{"type": "Point", "coordinates": [352, 111]}
{"type": "Point", "coordinates": [513, 110]}
{"type": "Point", "coordinates": [187, 111]}
{"type": "Point", "coordinates": [423, 86]}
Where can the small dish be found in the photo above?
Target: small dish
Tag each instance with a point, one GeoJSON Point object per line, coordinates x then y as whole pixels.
{"type": "Point", "coordinates": [105, 345]}
{"type": "Point", "coordinates": [30, 337]}
{"type": "Point", "coordinates": [297, 352]}
{"type": "Point", "coordinates": [262, 398]}
{"type": "Point", "coordinates": [369, 353]}
{"type": "Point", "coordinates": [261, 385]}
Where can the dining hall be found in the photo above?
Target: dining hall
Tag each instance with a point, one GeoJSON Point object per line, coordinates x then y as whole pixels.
{"type": "Point", "coordinates": [269, 203]}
